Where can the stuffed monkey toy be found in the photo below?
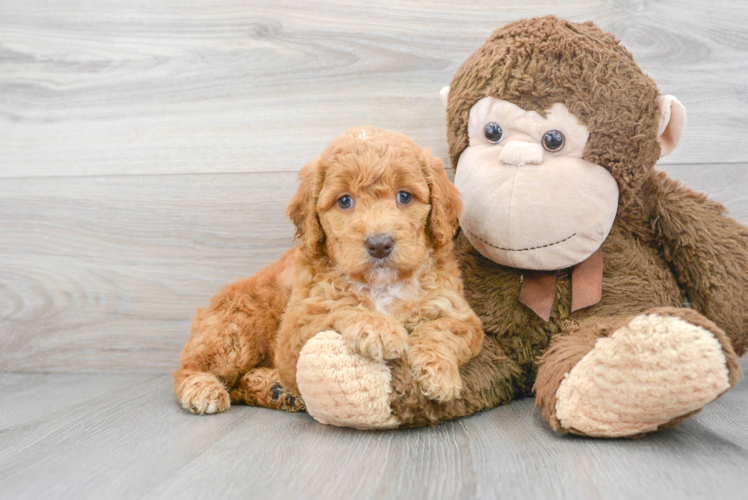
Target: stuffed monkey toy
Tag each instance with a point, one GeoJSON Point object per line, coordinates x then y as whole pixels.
{"type": "Point", "coordinates": [577, 255]}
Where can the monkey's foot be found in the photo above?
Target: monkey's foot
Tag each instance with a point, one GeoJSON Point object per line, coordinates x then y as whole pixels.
{"type": "Point", "coordinates": [342, 388]}
{"type": "Point", "coordinates": [650, 374]}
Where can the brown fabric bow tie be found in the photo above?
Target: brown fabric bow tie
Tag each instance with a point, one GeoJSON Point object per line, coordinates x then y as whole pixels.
{"type": "Point", "coordinates": [539, 287]}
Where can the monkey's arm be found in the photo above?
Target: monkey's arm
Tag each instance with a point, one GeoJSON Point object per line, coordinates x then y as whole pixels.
{"type": "Point", "coordinates": [707, 251]}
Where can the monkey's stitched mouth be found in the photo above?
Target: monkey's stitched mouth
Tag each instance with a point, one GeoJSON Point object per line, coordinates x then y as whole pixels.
{"type": "Point", "coordinates": [515, 249]}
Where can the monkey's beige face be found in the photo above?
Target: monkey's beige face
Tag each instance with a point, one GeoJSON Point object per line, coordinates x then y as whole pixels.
{"type": "Point", "coordinates": [374, 210]}
{"type": "Point", "coordinates": [530, 200]}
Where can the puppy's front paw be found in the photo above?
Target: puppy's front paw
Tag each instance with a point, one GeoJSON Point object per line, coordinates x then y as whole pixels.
{"type": "Point", "coordinates": [203, 393]}
{"type": "Point", "coordinates": [376, 337]}
{"type": "Point", "coordinates": [437, 377]}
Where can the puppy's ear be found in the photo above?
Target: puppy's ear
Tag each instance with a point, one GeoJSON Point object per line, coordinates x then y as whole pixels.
{"type": "Point", "coordinates": [446, 205]}
{"type": "Point", "coordinates": [302, 210]}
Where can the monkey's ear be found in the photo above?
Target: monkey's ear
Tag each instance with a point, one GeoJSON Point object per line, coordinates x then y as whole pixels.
{"type": "Point", "coordinates": [444, 96]}
{"type": "Point", "coordinates": [302, 210]}
{"type": "Point", "coordinates": [671, 121]}
{"type": "Point", "coordinates": [446, 204]}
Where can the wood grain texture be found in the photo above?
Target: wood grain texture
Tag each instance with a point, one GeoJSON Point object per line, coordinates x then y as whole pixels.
{"type": "Point", "coordinates": [104, 273]}
{"type": "Point", "coordinates": [124, 436]}
{"type": "Point", "coordinates": [141, 87]}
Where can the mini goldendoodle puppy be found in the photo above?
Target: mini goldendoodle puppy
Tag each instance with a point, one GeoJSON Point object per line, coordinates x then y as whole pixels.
{"type": "Point", "coordinates": [375, 216]}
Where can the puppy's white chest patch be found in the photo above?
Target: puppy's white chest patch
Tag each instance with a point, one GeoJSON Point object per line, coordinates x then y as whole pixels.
{"type": "Point", "coordinates": [384, 296]}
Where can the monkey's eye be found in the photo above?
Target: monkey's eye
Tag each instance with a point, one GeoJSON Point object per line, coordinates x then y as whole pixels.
{"type": "Point", "coordinates": [493, 132]}
{"type": "Point", "coordinates": [345, 202]}
{"type": "Point", "coordinates": [554, 141]}
{"type": "Point", "coordinates": [404, 197]}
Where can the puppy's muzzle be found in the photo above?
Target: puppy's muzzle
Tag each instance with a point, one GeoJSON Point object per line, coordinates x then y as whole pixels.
{"type": "Point", "coordinates": [379, 246]}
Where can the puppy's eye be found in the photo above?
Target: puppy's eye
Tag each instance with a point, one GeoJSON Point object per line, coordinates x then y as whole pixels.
{"type": "Point", "coordinates": [493, 132]}
{"type": "Point", "coordinates": [404, 197]}
{"type": "Point", "coordinates": [554, 141]}
{"type": "Point", "coordinates": [345, 202]}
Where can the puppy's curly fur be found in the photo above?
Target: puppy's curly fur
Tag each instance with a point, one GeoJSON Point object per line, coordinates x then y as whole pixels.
{"type": "Point", "coordinates": [244, 347]}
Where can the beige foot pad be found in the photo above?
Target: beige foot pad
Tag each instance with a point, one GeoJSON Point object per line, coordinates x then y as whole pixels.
{"type": "Point", "coordinates": [341, 388]}
{"type": "Point", "coordinates": [646, 374]}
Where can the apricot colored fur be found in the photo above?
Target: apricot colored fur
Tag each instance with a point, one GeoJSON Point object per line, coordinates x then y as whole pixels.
{"type": "Point", "coordinates": [246, 344]}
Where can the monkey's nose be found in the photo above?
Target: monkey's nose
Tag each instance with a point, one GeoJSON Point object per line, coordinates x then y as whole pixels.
{"type": "Point", "coordinates": [521, 153]}
{"type": "Point", "coordinates": [379, 245]}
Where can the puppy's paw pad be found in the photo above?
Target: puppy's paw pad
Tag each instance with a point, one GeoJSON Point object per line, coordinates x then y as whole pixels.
{"type": "Point", "coordinates": [284, 400]}
{"type": "Point", "coordinates": [276, 391]}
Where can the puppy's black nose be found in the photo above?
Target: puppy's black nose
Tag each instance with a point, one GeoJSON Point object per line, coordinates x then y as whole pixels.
{"type": "Point", "coordinates": [379, 245]}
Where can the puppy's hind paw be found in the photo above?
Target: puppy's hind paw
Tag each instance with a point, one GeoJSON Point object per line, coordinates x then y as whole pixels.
{"type": "Point", "coordinates": [285, 400]}
{"type": "Point", "coordinates": [203, 393]}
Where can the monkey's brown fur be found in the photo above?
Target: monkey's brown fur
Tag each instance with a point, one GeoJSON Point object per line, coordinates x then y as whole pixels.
{"type": "Point", "coordinates": [667, 243]}
{"type": "Point", "coordinates": [249, 339]}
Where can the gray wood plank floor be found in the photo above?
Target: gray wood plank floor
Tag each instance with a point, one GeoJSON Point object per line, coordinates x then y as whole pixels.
{"type": "Point", "coordinates": [147, 153]}
{"type": "Point", "coordinates": [124, 436]}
